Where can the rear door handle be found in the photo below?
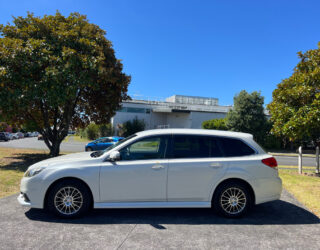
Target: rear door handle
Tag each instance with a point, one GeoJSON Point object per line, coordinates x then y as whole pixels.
{"type": "Point", "coordinates": [215, 165]}
{"type": "Point", "coordinates": [156, 167]}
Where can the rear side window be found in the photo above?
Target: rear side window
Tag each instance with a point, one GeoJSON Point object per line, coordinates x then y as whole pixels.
{"type": "Point", "coordinates": [188, 146]}
{"type": "Point", "coordinates": [235, 147]}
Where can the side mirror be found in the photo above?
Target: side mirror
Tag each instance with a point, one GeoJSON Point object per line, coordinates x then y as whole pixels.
{"type": "Point", "coordinates": [114, 156]}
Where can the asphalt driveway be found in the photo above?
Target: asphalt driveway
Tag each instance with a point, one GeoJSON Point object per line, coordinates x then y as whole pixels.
{"type": "Point", "coordinates": [279, 224]}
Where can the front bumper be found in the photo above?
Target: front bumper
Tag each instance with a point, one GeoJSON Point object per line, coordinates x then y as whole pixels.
{"type": "Point", "coordinates": [23, 200]}
{"type": "Point", "coordinates": [32, 192]}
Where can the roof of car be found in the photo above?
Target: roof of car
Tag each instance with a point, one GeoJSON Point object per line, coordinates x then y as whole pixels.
{"type": "Point", "coordinates": [194, 132]}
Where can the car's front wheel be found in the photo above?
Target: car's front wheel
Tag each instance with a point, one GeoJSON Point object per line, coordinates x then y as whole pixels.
{"type": "Point", "coordinates": [69, 199]}
{"type": "Point", "coordinates": [88, 149]}
{"type": "Point", "coordinates": [232, 199]}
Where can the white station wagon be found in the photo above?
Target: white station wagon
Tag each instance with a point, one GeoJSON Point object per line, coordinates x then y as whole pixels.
{"type": "Point", "coordinates": [166, 168]}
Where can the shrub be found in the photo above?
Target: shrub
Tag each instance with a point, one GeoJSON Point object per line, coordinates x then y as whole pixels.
{"type": "Point", "coordinates": [106, 130]}
{"type": "Point", "coordinates": [92, 131]}
{"type": "Point", "coordinates": [219, 124]}
{"type": "Point", "coordinates": [131, 127]}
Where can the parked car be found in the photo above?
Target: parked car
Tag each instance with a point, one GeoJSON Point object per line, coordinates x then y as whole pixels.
{"type": "Point", "coordinates": [3, 137]}
{"type": "Point", "coordinates": [102, 143]}
{"type": "Point", "coordinates": [15, 136]}
{"type": "Point", "coordinates": [161, 168]}
{"type": "Point", "coordinates": [35, 134]}
{"type": "Point", "coordinates": [9, 135]}
{"type": "Point", "coordinates": [40, 137]}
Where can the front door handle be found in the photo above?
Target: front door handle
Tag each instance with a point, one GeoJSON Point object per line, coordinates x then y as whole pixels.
{"type": "Point", "coordinates": [156, 167]}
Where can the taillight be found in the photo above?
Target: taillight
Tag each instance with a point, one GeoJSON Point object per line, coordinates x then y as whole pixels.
{"type": "Point", "coordinates": [270, 162]}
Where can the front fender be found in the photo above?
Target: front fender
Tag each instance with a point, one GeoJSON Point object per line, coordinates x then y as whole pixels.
{"type": "Point", "coordinates": [89, 175]}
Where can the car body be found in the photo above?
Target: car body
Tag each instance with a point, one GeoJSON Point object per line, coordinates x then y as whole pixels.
{"type": "Point", "coordinates": [102, 143]}
{"type": "Point", "coordinates": [157, 168]}
{"type": "Point", "coordinates": [3, 136]}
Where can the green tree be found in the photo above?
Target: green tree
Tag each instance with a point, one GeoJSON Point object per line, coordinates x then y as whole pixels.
{"type": "Point", "coordinates": [58, 72]}
{"type": "Point", "coordinates": [219, 124]}
{"type": "Point", "coordinates": [247, 115]}
{"type": "Point", "coordinates": [295, 106]}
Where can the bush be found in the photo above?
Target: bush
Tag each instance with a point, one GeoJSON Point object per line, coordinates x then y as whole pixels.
{"type": "Point", "coordinates": [106, 130]}
{"type": "Point", "coordinates": [92, 131]}
{"type": "Point", "coordinates": [130, 127]}
{"type": "Point", "coordinates": [219, 124]}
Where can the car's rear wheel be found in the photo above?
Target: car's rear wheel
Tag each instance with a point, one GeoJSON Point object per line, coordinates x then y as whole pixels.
{"type": "Point", "coordinates": [232, 199]}
{"type": "Point", "coordinates": [69, 199]}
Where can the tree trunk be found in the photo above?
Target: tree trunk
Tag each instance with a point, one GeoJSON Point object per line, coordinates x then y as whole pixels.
{"type": "Point", "coordinates": [55, 148]}
{"type": "Point", "coordinates": [53, 144]}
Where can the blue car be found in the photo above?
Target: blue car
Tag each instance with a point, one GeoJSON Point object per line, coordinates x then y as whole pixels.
{"type": "Point", "coordinates": [102, 143]}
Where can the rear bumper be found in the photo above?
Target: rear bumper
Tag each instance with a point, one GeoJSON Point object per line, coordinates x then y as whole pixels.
{"type": "Point", "coordinates": [267, 189]}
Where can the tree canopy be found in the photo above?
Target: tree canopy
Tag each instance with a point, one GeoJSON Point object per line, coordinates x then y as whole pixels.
{"type": "Point", "coordinates": [247, 115]}
{"type": "Point", "coordinates": [295, 106]}
{"type": "Point", "coordinates": [57, 72]}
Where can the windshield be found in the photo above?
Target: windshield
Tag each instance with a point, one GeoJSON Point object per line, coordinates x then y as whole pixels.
{"type": "Point", "coordinates": [101, 152]}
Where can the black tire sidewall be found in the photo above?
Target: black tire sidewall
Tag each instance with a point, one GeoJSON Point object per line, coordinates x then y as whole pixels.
{"type": "Point", "coordinates": [87, 199]}
{"type": "Point", "coordinates": [216, 200]}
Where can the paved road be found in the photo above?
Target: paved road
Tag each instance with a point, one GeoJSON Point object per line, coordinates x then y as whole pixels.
{"type": "Point", "coordinates": [72, 146]}
{"type": "Point", "coordinates": [34, 143]}
{"type": "Point", "coordinates": [280, 224]}
{"type": "Point", "coordinates": [293, 161]}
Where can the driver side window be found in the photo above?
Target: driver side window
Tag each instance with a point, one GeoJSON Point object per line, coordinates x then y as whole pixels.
{"type": "Point", "coordinates": [145, 149]}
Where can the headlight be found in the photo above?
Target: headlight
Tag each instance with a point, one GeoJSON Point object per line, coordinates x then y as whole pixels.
{"type": "Point", "coordinates": [33, 172]}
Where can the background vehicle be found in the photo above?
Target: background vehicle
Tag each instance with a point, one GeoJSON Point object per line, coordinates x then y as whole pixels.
{"type": "Point", "coordinates": [102, 143]}
{"type": "Point", "coordinates": [40, 137]}
{"type": "Point", "coordinates": [15, 136]}
{"type": "Point", "coordinates": [3, 136]}
{"type": "Point", "coordinates": [9, 135]}
{"type": "Point", "coordinates": [157, 169]}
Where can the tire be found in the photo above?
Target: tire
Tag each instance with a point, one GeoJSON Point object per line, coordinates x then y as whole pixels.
{"type": "Point", "coordinates": [64, 199]}
{"type": "Point", "coordinates": [232, 199]}
{"type": "Point", "coordinates": [88, 149]}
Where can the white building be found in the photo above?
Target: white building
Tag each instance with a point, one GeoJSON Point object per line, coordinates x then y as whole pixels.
{"type": "Point", "coordinates": [177, 111]}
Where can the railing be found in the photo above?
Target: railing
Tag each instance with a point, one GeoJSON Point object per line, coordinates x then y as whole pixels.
{"type": "Point", "coordinates": [163, 126]}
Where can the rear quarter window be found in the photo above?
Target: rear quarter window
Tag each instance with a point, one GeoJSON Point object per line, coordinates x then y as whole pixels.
{"type": "Point", "coordinates": [234, 147]}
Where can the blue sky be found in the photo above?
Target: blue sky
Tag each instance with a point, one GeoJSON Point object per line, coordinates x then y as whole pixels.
{"type": "Point", "coordinates": [202, 48]}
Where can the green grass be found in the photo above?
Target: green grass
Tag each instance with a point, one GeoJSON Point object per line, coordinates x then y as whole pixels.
{"type": "Point", "coordinates": [79, 139]}
{"type": "Point", "coordinates": [305, 188]}
{"type": "Point", "coordinates": [13, 164]}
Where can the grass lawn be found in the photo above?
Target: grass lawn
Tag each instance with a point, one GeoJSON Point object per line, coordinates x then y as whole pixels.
{"type": "Point", "coordinates": [13, 164]}
{"type": "Point", "coordinates": [305, 188]}
{"type": "Point", "coordinates": [79, 139]}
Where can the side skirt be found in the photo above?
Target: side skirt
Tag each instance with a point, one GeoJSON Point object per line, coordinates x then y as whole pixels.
{"type": "Point", "coordinates": [169, 204]}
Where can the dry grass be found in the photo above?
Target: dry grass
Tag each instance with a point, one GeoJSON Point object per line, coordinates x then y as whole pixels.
{"type": "Point", "coordinates": [13, 164]}
{"type": "Point", "coordinates": [305, 188]}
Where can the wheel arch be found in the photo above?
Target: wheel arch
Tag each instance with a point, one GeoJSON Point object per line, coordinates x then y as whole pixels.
{"type": "Point", "coordinates": [45, 201]}
{"type": "Point", "coordinates": [239, 180]}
